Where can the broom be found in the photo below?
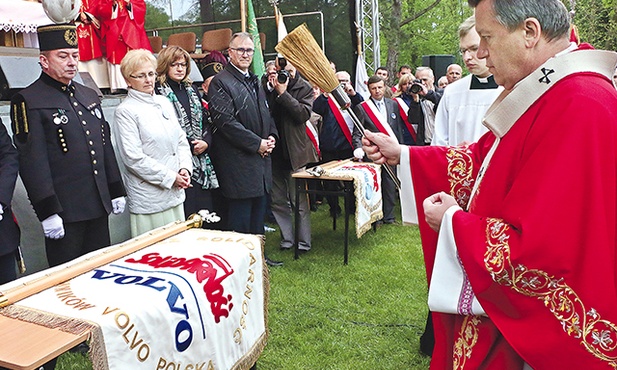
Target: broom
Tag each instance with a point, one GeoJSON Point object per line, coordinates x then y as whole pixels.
{"type": "Point", "coordinates": [301, 49]}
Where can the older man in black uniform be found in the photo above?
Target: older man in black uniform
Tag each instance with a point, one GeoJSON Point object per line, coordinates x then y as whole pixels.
{"type": "Point", "coordinates": [66, 160]}
{"type": "Point", "coordinates": [9, 232]}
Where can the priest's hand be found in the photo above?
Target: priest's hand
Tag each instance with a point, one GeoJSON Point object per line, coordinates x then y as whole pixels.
{"type": "Point", "coordinates": [381, 148]}
{"type": "Point", "coordinates": [435, 207]}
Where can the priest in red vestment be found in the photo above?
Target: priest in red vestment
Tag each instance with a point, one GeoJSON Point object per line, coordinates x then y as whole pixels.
{"type": "Point", "coordinates": [91, 50]}
{"type": "Point", "coordinates": [519, 229]}
{"type": "Point", "coordinates": [123, 29]}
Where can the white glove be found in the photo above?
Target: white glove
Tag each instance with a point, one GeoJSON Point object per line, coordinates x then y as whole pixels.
{"type": "Point", "coordinates": [358, 153]}
{"type": "Point", "coordinates": [1, 212]}
{"type": "Point", "coordinates": [53, 227]}
{"type": "Point", "coordinates": [118, 205]}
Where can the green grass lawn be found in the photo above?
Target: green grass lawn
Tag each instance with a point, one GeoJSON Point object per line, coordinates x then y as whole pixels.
{"type": "Point", "coordinates": [325, 315]}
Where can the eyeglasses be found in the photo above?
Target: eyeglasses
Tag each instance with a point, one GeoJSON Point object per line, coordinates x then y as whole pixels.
{"type": "Point", "coordinates": [178, 64]}
{"type": "Point", "coordinates": [243, 51]}
{"type": "Point", "coordinates": [143, 76]}
{"type": "Point", "coordinates": [472, 50]}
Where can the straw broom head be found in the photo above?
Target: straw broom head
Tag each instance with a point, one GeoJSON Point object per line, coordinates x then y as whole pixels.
{"type": "Point", "coordinates": [300, 49]}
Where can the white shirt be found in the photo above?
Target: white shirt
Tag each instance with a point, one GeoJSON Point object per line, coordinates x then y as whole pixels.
{"type": "Point", "coordinates": [460, 112]}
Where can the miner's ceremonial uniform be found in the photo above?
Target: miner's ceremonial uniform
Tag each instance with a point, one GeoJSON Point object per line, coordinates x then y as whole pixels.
{"type": "Point", "coordinates": [67, 163]}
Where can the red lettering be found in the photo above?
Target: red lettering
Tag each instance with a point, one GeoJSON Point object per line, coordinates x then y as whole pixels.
{"type": "Point", "coordinates": [210, 270]}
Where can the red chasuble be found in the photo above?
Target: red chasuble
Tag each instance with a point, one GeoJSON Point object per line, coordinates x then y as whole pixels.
{"type": "Point", "coordinates": [89, 34]}
{"type": "Point", "coordinates": [123, 27]}
{"type": "Point", "coordinates": [538, 242]}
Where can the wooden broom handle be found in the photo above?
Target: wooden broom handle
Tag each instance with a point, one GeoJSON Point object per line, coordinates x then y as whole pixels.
{"type": "Point", "coordinates": [47, 281]}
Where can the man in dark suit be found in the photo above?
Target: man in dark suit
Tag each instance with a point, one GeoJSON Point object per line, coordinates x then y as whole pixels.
{"type": "Point", "coordinates": [66, 160]}
{"type": "Point", "coordinates": [244, 139]}
{"type": "Point", "coordinates": [380, 114]}
{"type": "Point", "coordinates": [9, 232]}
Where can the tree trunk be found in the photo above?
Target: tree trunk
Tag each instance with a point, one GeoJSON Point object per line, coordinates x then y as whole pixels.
{"type": "Point", "coordinates": [394, 40]}
{"type": "Point", "coordinates": [206, 13]}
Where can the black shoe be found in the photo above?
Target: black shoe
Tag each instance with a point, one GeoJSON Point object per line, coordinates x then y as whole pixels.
{"type": "Point", "coordinates": [82, 347]}
{"type": "Point", "coordinates": [390, 222]}
{"type": "Point", "coordinates": [272, 263]}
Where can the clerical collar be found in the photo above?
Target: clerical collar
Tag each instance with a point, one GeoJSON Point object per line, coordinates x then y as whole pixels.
{"type": "Point", "coordinates": [481, 83]}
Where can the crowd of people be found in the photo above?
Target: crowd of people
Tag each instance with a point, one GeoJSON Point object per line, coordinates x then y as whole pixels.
{"type": "Point", "coordinates": [486, 161]}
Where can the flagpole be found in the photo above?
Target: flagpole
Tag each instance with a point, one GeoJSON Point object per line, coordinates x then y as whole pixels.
{"type": "Point", "coordinates": [243, 14]}
{"type": "Point", "coordinates": [358, 38]}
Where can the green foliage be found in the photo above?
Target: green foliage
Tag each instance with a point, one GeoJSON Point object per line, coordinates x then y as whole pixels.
{"type": "Point", "coordinates": [419, 27]}
{"type": "Point", "coordinates": [156, 17]}
{"type": "Point", "coordinates": [323, 314]}
{"type": "Point", "coordinates": [596, 21]}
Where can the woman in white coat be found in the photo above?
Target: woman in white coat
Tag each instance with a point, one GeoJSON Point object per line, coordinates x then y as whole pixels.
{"type": "Point", "coordinates": [152, 147]}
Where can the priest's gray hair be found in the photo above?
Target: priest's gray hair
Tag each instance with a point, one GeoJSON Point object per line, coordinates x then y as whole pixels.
{"type": "Point", "coordinates": [552, 15]}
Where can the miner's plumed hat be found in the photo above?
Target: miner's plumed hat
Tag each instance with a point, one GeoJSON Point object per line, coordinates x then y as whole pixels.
{"type": "Point", "coordinates": [57, 36]}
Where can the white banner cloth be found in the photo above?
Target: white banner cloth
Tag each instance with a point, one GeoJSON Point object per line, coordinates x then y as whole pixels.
{"type": "Point", "coordinates": [196, 300]}
{"type": "Point", "coordinates": [367, 184]}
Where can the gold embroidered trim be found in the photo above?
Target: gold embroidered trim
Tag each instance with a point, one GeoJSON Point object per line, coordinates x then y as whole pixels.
{"type": "Point", "coordinates": [16, 124]}
{"type": "Point", "coordinates": [467, 339]}
{"type": "Point", "coordinates": [598, 336]}
{"type": "Point", "coordinates": [460, 174]}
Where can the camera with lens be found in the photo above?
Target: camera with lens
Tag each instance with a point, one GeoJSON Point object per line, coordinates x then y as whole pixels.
{"type": "Point", "coordinates": [282, 76]}
{"type": "Point", "coordinates": [416, 86]}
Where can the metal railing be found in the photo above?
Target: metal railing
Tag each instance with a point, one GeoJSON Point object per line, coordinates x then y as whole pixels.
{"type": "Point", "coordinates": [155, 31]}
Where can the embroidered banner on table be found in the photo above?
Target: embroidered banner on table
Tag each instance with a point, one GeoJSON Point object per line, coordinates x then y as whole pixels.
{"type": "Point", "coordinates": [367, 184]}
{"type": "Point", "coordinates": [196, 300]}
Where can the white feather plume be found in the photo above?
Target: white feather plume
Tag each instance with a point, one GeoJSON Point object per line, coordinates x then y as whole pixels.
{"type": "Point", "coordinates": [62, 11]}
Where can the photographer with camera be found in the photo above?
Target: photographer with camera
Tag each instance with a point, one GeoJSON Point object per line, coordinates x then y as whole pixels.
{"type": "Point", "coordinates": [417, 112]}
{"type": "Point", "coordinates": [290, 99]}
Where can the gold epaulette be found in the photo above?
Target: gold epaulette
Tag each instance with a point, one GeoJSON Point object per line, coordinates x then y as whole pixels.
{"type": "Point", "coordinates": [19, 120]}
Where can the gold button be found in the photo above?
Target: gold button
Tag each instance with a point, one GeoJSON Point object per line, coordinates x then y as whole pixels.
{"type": "Point", "coordinates": [59, 130]}
{"type": "Point", "coordinates": [87, 132]}
{"type": "Point", "coordinates": [84, 123]}
{"type": "Point", "coordinates": [80, 113]}
{"type": "Point", "coordinates": [72, 95]}
{"type": "Point", "coordinates": [94, 161]}
{"type": "Point", "coordinates": [60, 135]}
{"type": "Point", "coordinates": [64, 145]}
{"type": "Point", "coordinates": [74, 103]}
{"type": "Point", "coordinates": [96, 172]}
{"type": "Point", "coordinates": [90, 142]}
{"type": "Point", "coordinates": [65, 150]}
{"type": "Point", "coordinates": [92, 152]}
{"type": "Point", "coordinates": [61, 140]}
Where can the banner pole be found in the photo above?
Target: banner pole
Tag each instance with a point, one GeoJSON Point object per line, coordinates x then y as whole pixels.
{"type": "Point", "coordinates": [106, 256]}
{"type": "Point", "coordinates": [243, 14]}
